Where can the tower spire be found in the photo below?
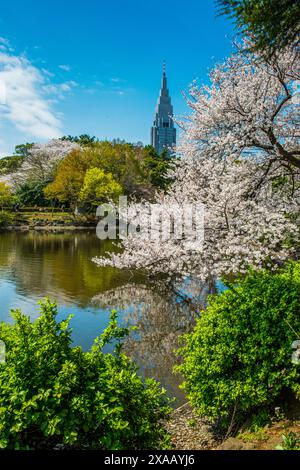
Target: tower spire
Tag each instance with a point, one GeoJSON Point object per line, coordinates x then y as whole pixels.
{"type": "Point", "coordinates": [163, 132]}
{"type": "Point", "coordinates": [164, 86]}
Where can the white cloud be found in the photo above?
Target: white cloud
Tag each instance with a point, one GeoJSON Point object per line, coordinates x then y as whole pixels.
{"type": "Point", "coordinates": [65, 67]}
{"type": "Point", "coordinates": [27, 103]}
{"type": "Point", "coordinates": [117, 80]}
{"type": "Point", "coordinates": [4, 151]}
{"type": "Point", "coordinates": [59, 88]}
{"type": "Point", "coordinates": [2, 93]}
{"type": "Point", "coordinates": [48, 73]}
{"type": "Point", "coordinates": [5, 45]}
{"type": "Point", "coordinates": [4, 42]}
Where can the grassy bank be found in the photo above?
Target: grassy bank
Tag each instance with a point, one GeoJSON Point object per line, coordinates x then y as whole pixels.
{"type": "Point", "coordinates": [43, 219]}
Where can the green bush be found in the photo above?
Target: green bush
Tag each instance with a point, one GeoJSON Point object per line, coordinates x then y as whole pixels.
{"type": "Point", "coordinates": [54, 394]}
{"type": "Point", "coordinates": [290, 441]}
{"type": "Point", "coordinates": [6, 218]}
{"type": "Point", "coordinates": [238, 357]}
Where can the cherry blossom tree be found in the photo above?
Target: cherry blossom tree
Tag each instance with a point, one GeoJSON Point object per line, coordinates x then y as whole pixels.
{"type": "Point", "coordinates": [239, 231]}
{"type": "Point", "coordinates": [250, 105]}
{"type": "Point", "coordinates": [41, 161]}
{"type": "Point", "coordinates": [240, 158]}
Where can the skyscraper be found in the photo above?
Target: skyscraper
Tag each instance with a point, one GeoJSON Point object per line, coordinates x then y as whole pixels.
{"type": "Point", "coordinates": [163, 132]}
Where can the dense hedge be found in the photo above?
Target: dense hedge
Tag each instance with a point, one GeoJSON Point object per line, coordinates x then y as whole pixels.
{"type": "Point", "coordinates": [52, 393]}
{"type": "Point", "coordinates": [238, 357]}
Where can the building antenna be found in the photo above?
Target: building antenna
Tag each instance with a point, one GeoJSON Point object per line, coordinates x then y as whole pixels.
{"type": "Point", "coordinates": [164, 67]}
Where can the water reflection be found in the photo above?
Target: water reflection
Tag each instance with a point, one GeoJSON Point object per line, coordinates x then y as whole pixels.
{"type": "Point", "coordinates": [58, 265]}
{"type": "Point", "coordinates": [34, 265]}
{"type": "Point", "coordinates": [160, 319]}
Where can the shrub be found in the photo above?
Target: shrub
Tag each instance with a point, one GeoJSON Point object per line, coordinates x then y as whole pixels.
{"type": "Point", "coordinates": [238, 357]}
{"type": "Point", "coordinates": [6, 218]}
{"type": "Point", "coordinates": [52, 393]}
{"type": "Point", "coordinates": [290, 441]}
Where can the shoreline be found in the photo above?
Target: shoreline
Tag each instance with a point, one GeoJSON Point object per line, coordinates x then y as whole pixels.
{"type": "Point", "coordinates": [39, 219]}
{"type": "Point", "coordinates": [40, 228]}
{"type": "Point", "coordinates": [191, 432]}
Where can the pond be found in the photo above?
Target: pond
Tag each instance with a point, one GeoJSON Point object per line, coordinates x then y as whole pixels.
{"type": "Point", "coordinates": [59, 265]}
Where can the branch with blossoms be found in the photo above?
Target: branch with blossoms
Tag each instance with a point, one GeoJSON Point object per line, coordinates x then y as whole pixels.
{"type": "Point", "coordinates": [240, 160]}
{"type": "Point", "coordinates": [42, 161]}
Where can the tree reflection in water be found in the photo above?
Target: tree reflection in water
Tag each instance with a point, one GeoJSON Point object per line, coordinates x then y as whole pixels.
{"type": "Point", "coordinates": [161, 318]}
{"type": "Point", "coordinates": [59, 265]}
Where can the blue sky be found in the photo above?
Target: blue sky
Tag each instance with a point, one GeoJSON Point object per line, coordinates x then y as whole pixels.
{"type": "Point", "coordinates": [94, 66]}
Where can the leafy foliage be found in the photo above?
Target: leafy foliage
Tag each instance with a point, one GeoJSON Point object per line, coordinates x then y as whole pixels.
{"type": "Point", "coordinates": [290, 441]}
{"type": "Point", "coordinates": [52, 393]}
{"type": "Point", "coordinates": [137, 170]}
{"type": "Point", "coordinates": [6, 196]}
{"type": "Point", "coordinates": [69, 178]}
{"type": "Point", "coordinates": [238, 358]}
{"type": "Point", "coordinates": [31, 194]}
{"type": "Point", "coordinates": [119, 159]}
{"type": "Point", "coordinates": [10, 164]}
{"type": "Point", "coordinates": [23, 150]}
{"type": "Point", "coordinates": [99, 186]}
{"type": "Point", "coordinates": [6, 218]}
{"type": "Point", "coordinates": [158, 167]}
{"type": "Point", "coordinates": [273, 24]}
{"type": "Point", "coordinates": [83, 139]}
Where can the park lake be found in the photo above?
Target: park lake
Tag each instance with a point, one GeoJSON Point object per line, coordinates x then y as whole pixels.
{"type": "Point", "coordinates": [58, 265]}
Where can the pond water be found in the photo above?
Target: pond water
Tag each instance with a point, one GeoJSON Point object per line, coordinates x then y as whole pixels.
{"type": "Point", "coordinates": [35, 264]}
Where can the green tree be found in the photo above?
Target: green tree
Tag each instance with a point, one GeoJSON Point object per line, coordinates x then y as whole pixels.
{"type": "Point", "coordinates": [99, 187]}
{"type": "Point", "coordinates": [83, 139]}
{"type": "Point", "coordinates": [69, 178]}
{"type": "Point", "coordinates": [6, 196]}
{"type": "Point", "coordinates": [31, 194]}
{"type": "Point", "coordinates": [121, 160]}
{"type": "Point", "coordinates": [157, 167]}
{"type": "Point", "coordinates": [273, 24]}
{"type": "Point", "coordinates": [10, 164]}
{"type": "Point", "coordinates": [136, 169]}
{"type": "Point", "coordinates": [52, 393]}
{"type": "Point", "coordinates": [23, 149]}
{"type": "Point", "coordinates": [239, 356]}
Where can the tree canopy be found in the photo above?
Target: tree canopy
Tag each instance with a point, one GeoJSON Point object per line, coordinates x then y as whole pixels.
{"type": "Point", "coordinates": [272, 24]}
{"type": "Point", "coordinates": [137, 170]}
{"type": "Point", "coordinates": [99, 187]}
{"type": "Point", "coordinates": [83, 139]}
{"type": "Point", "coordinates": [6, 196]}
